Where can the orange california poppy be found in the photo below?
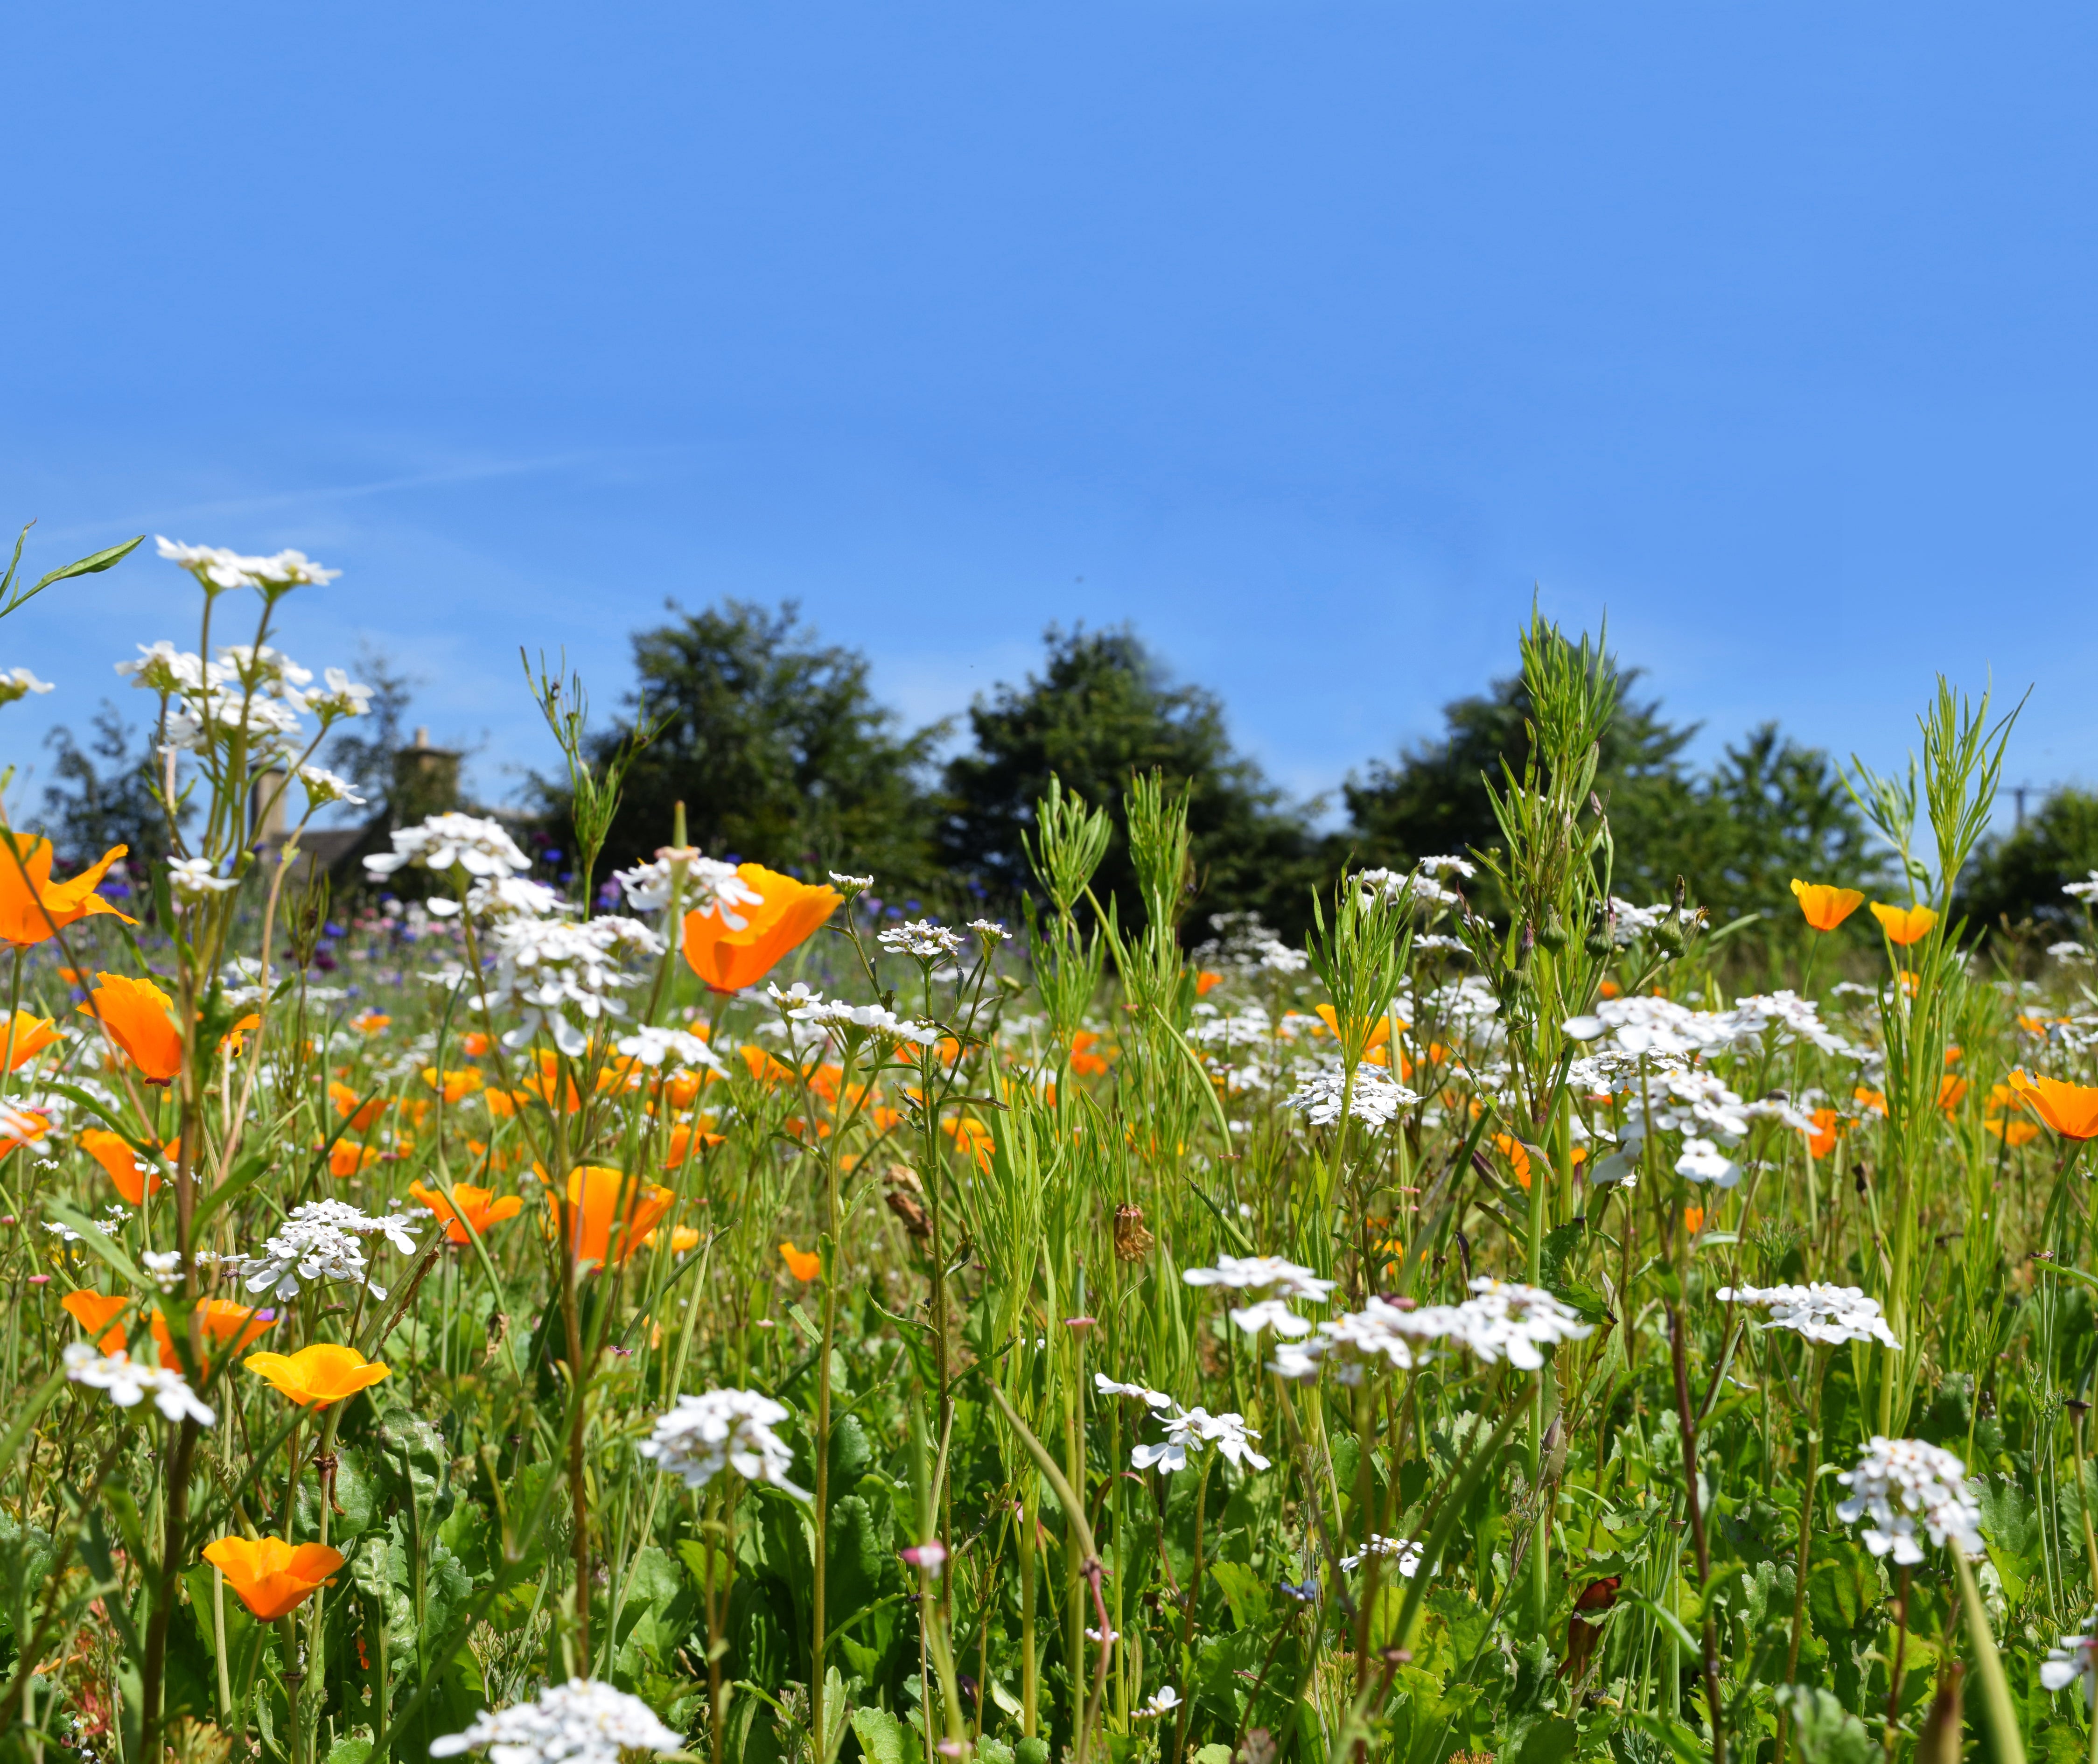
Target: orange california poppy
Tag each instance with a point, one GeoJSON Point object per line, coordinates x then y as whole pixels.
{"type": "Point", "coordinates": [318, 1375]}
{"type": "Point", "coordinates": [787, 914]}
{"type": "Point", "coordinates": [273, 1578]}
{"type": "Point", "coordinates": [1380, 1031]}
{"type": "Point", "coordinates": [2071, 1109]}
{"type": "Point", "coordinates": [1207, 981]}
{"type": "Point", "coordinates": [682, 1238]}
{"type": "Point", "coordinates": [767, 1069]}
{"type": "Point", "coordinates": [684, 1138]}
{"type": "Point", "coordinates": [223, 1325]}
{"type": "Point", "coordinates": [1828, 1126]}
{"type": "Point", "coordinates": [370, 1021]}
{"type": "Point", "coordinates": [346, 1158]}
{"type": "Point", "coordinates": [21, 1126]}
{"type": "Point", "coordinates": [1825, 906]}
{"type": "Point", "coordinates": [479, 1206]}
{"type": "Point", "coordinates": [1511, 1148]}
{"type": "Point", "coordinates": [972, 1136]}
{"type": "Point", "coordinates": [1904, 925]}
{"type": "Point", "coordinates": [32, 1035]}
{"type": "Point", "coordinates": [1084, 1061]}
{"type": "Point", "coordinates": [1693, 1221]}
{"type": "Point", "coordinates": [93, 1311]}
{"type": "Point", "coordinates": [1951, 1090]}
{"type": "Point", "coordinates": [2011, 1133]}
{"type": "Point", "coordinates": [456, 1085]}
{"type": "Point", "coordinates": [595, 1194]}
{"type": "Point", "coordinates": [804, 1265]}
{"type": "Point", "coordinates": [348, 1104]}
{"type": "Point", "coordinates": [134, 1179]}
{"type": "Point", "coordinates": [140, 1018]}
{"type": "Point", "coordinates": [473, 1044]}
{"type": "Point", "coordinates": [1874, 1100]}
{"type": "Point", "coordinates": [31, 906]}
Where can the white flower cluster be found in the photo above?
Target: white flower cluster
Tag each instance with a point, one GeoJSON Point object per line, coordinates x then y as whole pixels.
{"type": "Point", "coordinates": [258, 693]}
{"type": "Point", "coordinates": [1898, 1482]}
{"type": "Point", "coordinates": [196, 879]}
{"type": "Point", "coordinates": [478, 846]}
{"type": "Point", "coordinates": [846, 1020]}
{"type": "Point", "coordinates": [1376, 1101]}
{"type": "Point", "coordinates": [550, 967]}
{"type": "Point", "coordinates": [1626, 921]}
{"type": "Point", "coordinates": [1408, 1552]}
{"type": "Point", "coordinates": [2071, 1658]}
{"type": "Point", "coordinates": [319, 1241]}
{"type": "Point", "coordinates": [216, 567]}
{"type": "Point", "coordinates": [710, 885]}
{"type": "Point", "coordinates": [1502, 1320]}
{"type": "Point", "coordinates": [722, 1430]}
{"type": "Point", "coordinates": [583, 1722]}
{"type": "Point", "coordinates": [1274, 1281]}
{"type": "Point", "coordinates": [1245, 945]}
{"type": "Point", "coordinates": [19, 683]}
{"type": "Point", "coordinates": [652, 1046]}
{"type": "Point", "coordinates": [129, 1381]}
{"type": "Point", "coordinates": [1660, 1028]}
{"type": "Point", "coordinates": [1184, 1427]}
{"type": "Point", "coordinates": [1833, 1315]}
{"type": "Point", "coordinates": [920, 937]}
{"type": "Point", "coordinates": [2086, 891]}
{"type": "Point", "coordinates": [1417, 886]}
{"type": "Point", "coordinates": [323, 786]}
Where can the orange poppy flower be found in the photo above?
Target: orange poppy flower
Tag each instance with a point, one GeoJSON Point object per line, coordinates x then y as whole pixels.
{"type": "Point", "coordinates": [32, 1035]}
{"type": "Point", "coordinates": [682, 1238]}
{"type": "Point", "coordinates": [479, 1206]}
{"type": "Point", "coordinates": [22, 1126]}
{"type": "Point", "coordinates": [133, 1178]}
{"type": "Point", "coordinates": [2071, 1109]}
{"type": "Point", "coordinates": [1825, 906]}
{"type": "Point", "coordinates": [370, 1021]}
{"type": "Point", "coordinates": [683, 1138]}
{"type": "Point", "coordinates": [1874, 1100]}
{"type": "Point", "coordinates": [455, 1085]}
{"type": "Point", "coordinates": [1827, 1127]}
{"type": "Point", "coordinates": [1085, 1063]}
{"type": "Point", "coordinates": [804, 1265]}
{"type": "Point", "coordinates": [1693, 1221]}
{"type": "Point", "coordinates": [315, 1376]}
{"type": "Point", "coordinates": [1511, 1148]}
{"type": "Point", "coordinates": [1904, 925]}
{"type": "Point", "coordinates": [972, 1136]}
{"type": "Point", "coordinates": [594, 1197]}
{"type": "Point", "coordinates": [273, 1578]}
{"type": "Point", "coordinates": [140, 1018]}
{"type": "Point", "coordinates": [787, 915]}
{"type": "Point", "coordinates": [473, 1044]}
{"type": "Point", "coordinates": [683, 1087]}
{"type": "Point", "coordinates": [222, 1323]}
{"type": "Point", "coordinates": [347, 1158]}
{"type": "Point", "coordinates": [542, 1084]}
{"type": "Point", "coordinates": [1380, 1031]}
{"type": "Point", "coordinates": [31, 906]}
{"type": "Point", "coordinates": [349, 1106]}
{"type": "Point", "coordinates": [93, 1311]}
{"type": "Point", "coordinates": [2011, 1133]}
{"type": "Point", "coordinates": [1951, 1090]}
{"type": "Point", "coordinates": [767, 1069]}
{"type": "Point", "coordinates": [1207, 981]}
{"type": "Point", "coordinates": [236, 1038]}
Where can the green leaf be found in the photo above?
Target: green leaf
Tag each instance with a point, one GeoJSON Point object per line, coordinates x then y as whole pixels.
{"type": "Point", "coordinates": [244, 1176]}
{"type": "Point", "coordinates": [883, 1738]}
{"type": "Point", "coordinates": [93, 564]}
{"type": "Point", "coordinates": [1827, 1732]}
{"type": "Point", "coordinates": [1550, 1740]}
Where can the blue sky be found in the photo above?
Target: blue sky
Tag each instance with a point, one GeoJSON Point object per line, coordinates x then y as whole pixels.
{"type": "Point", "coordinates": [1307, 337]}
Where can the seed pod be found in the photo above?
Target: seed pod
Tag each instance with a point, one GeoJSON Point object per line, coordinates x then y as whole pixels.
{"type": "Point", "coordinates": [1132, 1242]}
{"type": "Point", "coordinates": [1553, 934]}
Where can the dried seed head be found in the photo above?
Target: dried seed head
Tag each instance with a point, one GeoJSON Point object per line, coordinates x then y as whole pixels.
{"type": "Point", "coordinates": [1132, 1242]}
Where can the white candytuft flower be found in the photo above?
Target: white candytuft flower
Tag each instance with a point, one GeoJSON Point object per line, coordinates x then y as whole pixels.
{"type": "Point", "coordinates": [850, 885]}
{"type": "Point", "coordinates": [194, 879]}
{"type": "Point", "coordinates": [323, 786]}
{"type": "Point", "coordinates": [319, 1242]}
{"type": "Point", "coordinates": [2084, 891]}
{"type": "Point", "coordinates": [1197, 1427]}
{"type": "Point", "coordinates": [1502, 1320]}
{"type": "Point", "coordinates": [990, 930]}
{"type": "Point", "coordinates": [129, 1381]}
{"type": "Point", "coordinates": [1408, 1552]}
{"type": "Point", "coordinates": [215, 567]}
{"type": "Point", "coordinates": [1833, 1314]}
{"type": "Point", "coordinates": [549, 968]}
{"type": "Point", "coordinates": [844, 1021]}
{"type": "Point", "coordinates": [1107, 1387]}
{"type": "Point", "coordinates": [1376, 1101]}
{"type": "Point", "coordinates": [722, 1430]}
{"type": "Point", "coordinates": [2071, 1658]}
{"type": "Point", "coordinates": [480, 847]}
{"type": "Point", "coordinates": [920, 937]}
{"type": "Point", "coordinates": [1161, 1702]}
{"type": "Point", "coordinates": [710, 886]}
{"type": "Point", "coordinates": [1269, 1314]}
{"type": "Point", "coordinates": [652, 1046]}
{"type": "Point", "coordinates": [1899, 1482]}
{"type": "Point", "coordinates": [1269, 1275]}
{"type": "Point", "coordinates": [583, 1722]}
{"type": "Point", "coordinates": [19, 683]}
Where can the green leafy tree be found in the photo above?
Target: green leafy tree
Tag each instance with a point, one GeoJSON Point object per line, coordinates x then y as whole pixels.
{"type": "Point", "coordinates": [2018, 877]}
{"type": "Point", "coordinates": [776, 745]}
{"type": "Point", "coordinates": [103, 795]}
{"type": "Point", "coordinates": [1101, 710]}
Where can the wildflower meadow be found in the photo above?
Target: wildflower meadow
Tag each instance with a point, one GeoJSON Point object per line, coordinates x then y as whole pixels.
{"type": "Point", "coordinates": [723, 1320]}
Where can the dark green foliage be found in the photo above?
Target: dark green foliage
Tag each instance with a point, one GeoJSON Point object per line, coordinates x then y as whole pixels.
{"type": "Point", "coordinates": [1101, 710]}
{"type": "Point", "coordinates": [363, 747]}
{"type": "Point", "coordinates": [2018, 876]}
{"type": "Point", "coordinates": [777, 747]}
{"type": "Point", "coordinates": [103, 795]}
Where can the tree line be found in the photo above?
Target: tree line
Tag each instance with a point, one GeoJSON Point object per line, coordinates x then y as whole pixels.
{"type": "Point", "coordinates": [781, 750]}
